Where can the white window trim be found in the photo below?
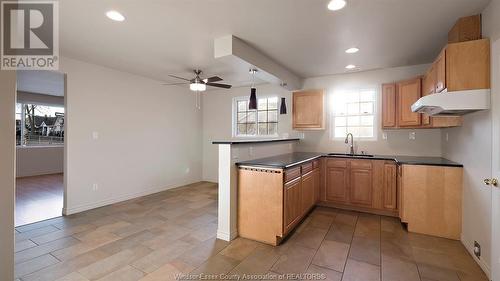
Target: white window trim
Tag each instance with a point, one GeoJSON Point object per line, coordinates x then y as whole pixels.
{"type": "Point", "coordinates": [234, 118]}
{"type": "Point", "coordinates": [375, 114]}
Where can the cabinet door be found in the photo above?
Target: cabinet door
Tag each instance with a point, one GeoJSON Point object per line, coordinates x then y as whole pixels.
{"type": "Point", "coordinates": [428, 88]}
{"type": "Point", "coordinates": [389, 105]}
{"type": "Point", "coordinates": [307, 110]}
{"type": "Point", "coordinates": [292, 204]}
{"type": "Point", "coordinates": [317, 184]}
{"type": "Point", "coordinates": [361, 183]}
{"type": "Point", "coordinates": [468, 65]}
{"type": "Point", "coordinates": [307, 192]}
{"type": "Point", "coordinates": [337, 179]}
{"type": "Point", "coordinates": [390, 186]}
{"type": "Point", "coordinates": [408, 93]}
{"type": "Point", "coordinates": [440, 68]}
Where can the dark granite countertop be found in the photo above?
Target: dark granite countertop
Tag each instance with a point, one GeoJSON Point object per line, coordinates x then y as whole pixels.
{"type": "Point", "coordinates": [295, 158]}
{"type": "Point", "coordinates": [253, 141]}
{"type": "Point", "coordinates": [283, 160]}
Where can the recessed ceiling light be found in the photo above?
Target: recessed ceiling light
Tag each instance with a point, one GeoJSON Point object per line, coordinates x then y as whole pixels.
{"type": "Point", "coordinates": [350, 66]}
{"type": "Point", "coordinates": [352, 50]}
{"type": "Point", "coordinates": [114, 15]}
{"type": "Point", "coordinates": [336, 5]}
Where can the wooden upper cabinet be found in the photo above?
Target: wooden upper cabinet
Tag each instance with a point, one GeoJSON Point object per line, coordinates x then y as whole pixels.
{"type": "Point", "coordinates": [468, 65]}
{"type": "Point", "coordinates": [408, 93]}
{"type": "Point", "coordinates": [308, 110]}
{"type": "Point", "coordinates": [390, 186]}
{"type": "Point", "coordinates": [439, 67]}
{"type": "Point", "coordinates": [466, 29]}
{"type": "Point", "coordinates": [389, 105]}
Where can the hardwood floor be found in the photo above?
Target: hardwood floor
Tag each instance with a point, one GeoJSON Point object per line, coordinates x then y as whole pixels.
{"type": "Point", "coordinates": [173, 232]}
{"type": "Point", "coordinates": [38, 198]}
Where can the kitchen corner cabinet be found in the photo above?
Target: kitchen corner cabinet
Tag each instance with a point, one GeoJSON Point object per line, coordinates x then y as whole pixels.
{"type": "Point", "coordinates": [308, 110]}
{"type": "Point", "coordinates": [360, 184]}
{"type": "Point", "coordinates": [287, 194]}
{"type": "Point", "coordinates": [430, 199]}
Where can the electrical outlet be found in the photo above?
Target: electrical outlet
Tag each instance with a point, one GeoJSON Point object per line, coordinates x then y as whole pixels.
{"type": "Point", "coordinates": [95, 187]}
{"type": "Point", "coordinates": [384, 135]}
{"type": "Point", "coordinates": [412, 136]}
{"type": "Point", "coordinates": [477, 250]}
{"type": "Point", "coordinates": [447, 137]}
{"type": "Point", "coordinates": [95, 135]}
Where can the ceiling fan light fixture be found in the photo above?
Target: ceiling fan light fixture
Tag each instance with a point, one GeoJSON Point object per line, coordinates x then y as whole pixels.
{"type": "Point", "coordinates": [197, 87]}
{"type": "Point", "coordinates": [336, 5]}
{"type": "Point", "coordinates": [352, 50]}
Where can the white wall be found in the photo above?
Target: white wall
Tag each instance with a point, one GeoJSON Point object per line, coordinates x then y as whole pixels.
{"type": "Point", "coordinates": [471, 145]}
{"type": "Point", "coordinates": [217, 120]}
{"type": "Point", "coordinates": [427, 142]}
{"type": "Point", "coordinates": [7, 172]}
{"type": "Point", "coordinates": [34, 161]}
{"type": "Point", "coordinates": [148, 136]}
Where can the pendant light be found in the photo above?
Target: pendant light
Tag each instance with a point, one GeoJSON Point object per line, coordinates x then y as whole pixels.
{"type": "Point", "coordinates": [252, 104]}
{"type": "Point", "coordinates": [283, 106]}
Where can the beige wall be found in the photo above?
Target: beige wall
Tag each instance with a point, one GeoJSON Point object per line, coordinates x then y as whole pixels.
{"type": "Point", "coordinates": [33, 161]}
{"type": "Point", "coordinates": [427, 142]}
{"type": "Point", "coordinates": [7, 172]}
{"type": "Point", "coordinates": [471, 145]}
{"type": "Point", "coordinates": [148, 136]}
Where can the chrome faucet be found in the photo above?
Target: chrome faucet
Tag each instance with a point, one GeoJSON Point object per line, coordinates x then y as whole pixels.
{"type": "Point", "coordinates": [352, 142]}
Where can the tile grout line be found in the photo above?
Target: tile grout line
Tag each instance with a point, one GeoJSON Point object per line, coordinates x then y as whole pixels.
{"type": "Point", "coordinates": [350, 244]}
{"type": "Point", "coordinates": [330, 227]}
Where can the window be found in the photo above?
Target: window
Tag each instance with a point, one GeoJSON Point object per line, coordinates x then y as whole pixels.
{"type": "Point", "coordinates": [38, 125]}
{"type": "Point", "coordinates": [354, 112]}
{"type": "Point", "coordinates": [260, 122]}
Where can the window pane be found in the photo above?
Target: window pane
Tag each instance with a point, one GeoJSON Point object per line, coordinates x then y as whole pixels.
{"type": "Point", "coordinates": [242, 129]}
{"type": "Point", "coordinates": [262, 116]}
{"type": "Point", "coordinates": [366, 132]}
{"type": "Point", "coordinates": [242, 106]}
{"type": "Point", "coordinates": [44, 125]}
{"type": "Point", "coordinates": [272, 116]}
{"type": "Point", "coordinates": [251, 129]}
{"type": "Point", "coordinates": [242, 117]}
{"type": "Point", "coordinates": [262, 104]}
{"type": "Point", "coordinates": [353, 121]}
{"type": "Point", "coordinates": [273, 128]}
{"type": "Point", "coordinates": [367, 95]}
{"type": "Point", "coordinates": [251, 116]}
{"type": "Point", "coordinates": [352, 108]}
{"type": "Point", "coordinates": [262, 128]}
{"type": "Point", "coordinates": [340, 132]}
{"type": "Point", "coordinates": [340, 121]}
{"type": "Point", "coordinates": [272, 103]}
{"type": "Point", "coordinates": [367, 120]}
{"type": "Point", "coordinates": [354, 131]}
{"type": "Point", "coordinates": [366, 108]}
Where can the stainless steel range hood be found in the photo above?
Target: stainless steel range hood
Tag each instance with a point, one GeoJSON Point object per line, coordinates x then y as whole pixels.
{"type": "Point", "coordinates": [453, 103]}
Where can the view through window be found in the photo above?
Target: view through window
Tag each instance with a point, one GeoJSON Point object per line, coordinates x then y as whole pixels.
{"type": "Point", "coordinates": [38, 125]}
{"type": "Point", "coordinates": [354, 112]}
{"type": "Point", "coordinates": [260, 122]}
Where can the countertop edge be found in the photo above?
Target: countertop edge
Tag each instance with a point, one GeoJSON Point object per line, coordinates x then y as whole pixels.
{"type": "Point", "coordinates": [253, 141]}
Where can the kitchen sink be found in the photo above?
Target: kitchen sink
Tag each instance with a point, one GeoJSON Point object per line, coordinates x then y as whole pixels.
{"type": "Point", "coordinates": [350, 155]}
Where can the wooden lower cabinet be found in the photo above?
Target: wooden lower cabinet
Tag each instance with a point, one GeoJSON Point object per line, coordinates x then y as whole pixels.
{"type": "Point", "coordinates": [292, 204]}
{"type": "Point", "coordinates": [359, 184]}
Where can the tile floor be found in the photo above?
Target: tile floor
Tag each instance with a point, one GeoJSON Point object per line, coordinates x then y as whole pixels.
{"type": "Point", "coordinates": [38, 198]}
{"type": "Point", "coordinates": [173, 232]}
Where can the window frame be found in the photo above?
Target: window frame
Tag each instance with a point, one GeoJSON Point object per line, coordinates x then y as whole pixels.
{"type": "Point", "coordinates": [235, 118]}
{"type": "Point", "coordinates": [23, 121]}
{"type": "Point", "coordinates": [332, 115]}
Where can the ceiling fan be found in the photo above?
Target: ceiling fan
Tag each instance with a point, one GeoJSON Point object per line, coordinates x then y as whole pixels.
{"type": "Point", "coordinates": [199, 85]}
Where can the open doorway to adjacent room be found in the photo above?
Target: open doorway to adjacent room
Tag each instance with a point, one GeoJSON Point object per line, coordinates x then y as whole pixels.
{"type": "Point", "coordinates": [40, 130]}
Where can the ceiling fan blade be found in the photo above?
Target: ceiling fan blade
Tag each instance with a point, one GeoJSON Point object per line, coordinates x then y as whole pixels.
{"type": "Point", "coordinates": [179, 77]}
{"type": "Point", "coordinates": [212, 79]}
{"type": "Point", "coordinates": [225, 86]}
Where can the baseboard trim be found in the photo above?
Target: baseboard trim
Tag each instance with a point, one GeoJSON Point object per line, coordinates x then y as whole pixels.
{"type": "Point", "coordinates": [469, 245]}
{"type": "Point", "coordinates": [121, 198]}
{"type": "Point", "coordinates": [223, 235]}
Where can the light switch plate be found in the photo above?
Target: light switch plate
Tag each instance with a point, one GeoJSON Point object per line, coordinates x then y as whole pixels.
{"type": "Point", "coordinates": [95, 135]}
{"type": "Point", "coordinates": [412, 136]}
{"type": "Point", "coordinates": [447, 137]}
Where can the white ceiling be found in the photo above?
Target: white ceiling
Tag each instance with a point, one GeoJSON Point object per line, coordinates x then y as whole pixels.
{"type": "Point", "coordinates": [161, 37]}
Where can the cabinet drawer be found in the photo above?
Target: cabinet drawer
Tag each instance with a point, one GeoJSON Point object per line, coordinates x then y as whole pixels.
{"type": "Point", "coordinates": [306, 168]}
{"type": "Point", "coordinates": [361, 164]}
{"type": "Point", "coordinates": [292, 173]}
{"type": "Point", "coordinates": [315, 164]}
{"type": "Point", "coordinates": [339, 163]}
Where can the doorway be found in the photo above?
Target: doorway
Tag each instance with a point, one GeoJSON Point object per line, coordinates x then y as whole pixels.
{"type": "Point", "coordinates": [40, 134]}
